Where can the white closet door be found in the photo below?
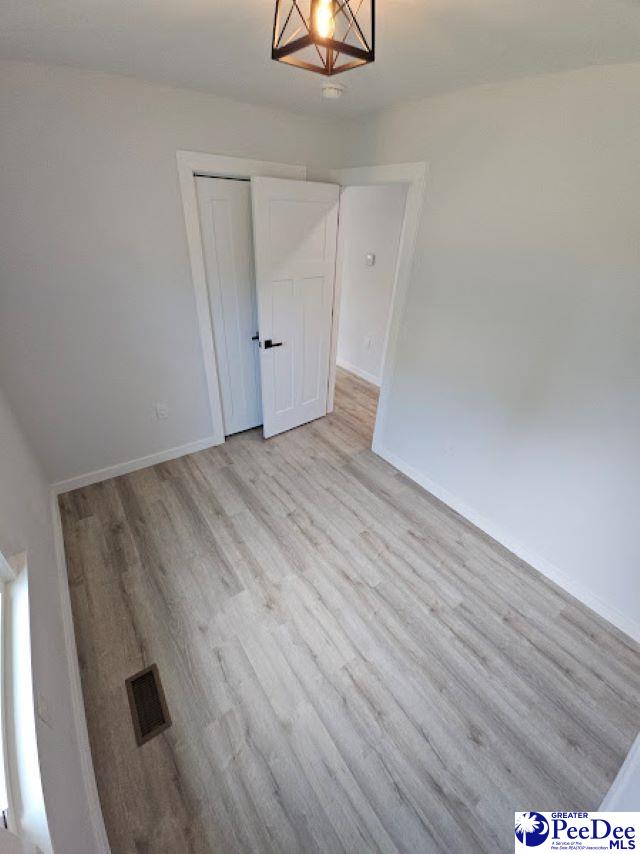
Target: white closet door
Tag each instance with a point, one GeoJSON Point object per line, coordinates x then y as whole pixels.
{"type": "Point", "coordinates": [225, 219]}
{"type": "Point", "coordinates": [295, 228]}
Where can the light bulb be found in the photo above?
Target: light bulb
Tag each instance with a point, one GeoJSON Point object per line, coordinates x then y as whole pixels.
{"type": "Point", "coordinates": [323, 20]}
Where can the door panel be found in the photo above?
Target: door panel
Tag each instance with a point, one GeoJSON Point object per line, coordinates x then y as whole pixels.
{"type": "Point", "coordinates": [312, 318]}
{"type": "Point", "coordinates": [225, 217]}
{"type": "Point", "coordinates": [295, 229]}
{"type": "Point", "coordinates": [283, 323]}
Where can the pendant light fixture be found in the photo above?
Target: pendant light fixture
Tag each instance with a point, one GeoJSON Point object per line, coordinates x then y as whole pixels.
{"type": "Point", "coordinates": [325, 36]}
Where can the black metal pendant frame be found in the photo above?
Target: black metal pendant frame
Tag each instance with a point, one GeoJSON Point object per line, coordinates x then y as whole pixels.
{"type": "Point", "coordinates": [286, 47]}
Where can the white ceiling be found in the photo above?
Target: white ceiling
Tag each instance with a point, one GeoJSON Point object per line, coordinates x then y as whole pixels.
{"type": "Point", "coordinates": [423, 47]}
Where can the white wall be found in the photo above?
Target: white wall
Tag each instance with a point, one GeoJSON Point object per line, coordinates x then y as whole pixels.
{"type": "Point", "coordinates": [97, 312]}
{"type": "Point", "coordinates": [25, 526]}
{"type": "Point", "coordinates": [370, 221]}
{"type": "Point", "coordinates": [515, 388]}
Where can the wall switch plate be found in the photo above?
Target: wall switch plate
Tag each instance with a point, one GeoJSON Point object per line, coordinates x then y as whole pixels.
{"type": "Point", "coordinates": [370, 259]}
{"type": "Point", "coordinates": [161, 411]}
{"type": "Point", "coordinates": [367, 342]}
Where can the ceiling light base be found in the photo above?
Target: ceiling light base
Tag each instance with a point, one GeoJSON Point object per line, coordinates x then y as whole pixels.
{"type": "Point", "coordinates": [332, 91]}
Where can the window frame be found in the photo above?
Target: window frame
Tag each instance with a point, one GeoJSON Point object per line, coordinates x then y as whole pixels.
{"type": "Point", "coordinates": [7, 575]}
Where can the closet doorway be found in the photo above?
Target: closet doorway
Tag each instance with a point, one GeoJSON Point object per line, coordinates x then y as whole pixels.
{"type": "Point", "coordinates": [268, 251]}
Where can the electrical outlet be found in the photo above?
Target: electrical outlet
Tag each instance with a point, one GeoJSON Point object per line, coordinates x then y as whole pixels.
{"type": "Point", "coordinates": [161, 411]}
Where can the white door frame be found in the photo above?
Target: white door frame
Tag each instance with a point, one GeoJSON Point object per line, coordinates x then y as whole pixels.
{"type": "Point", "coordinates": [415, 175]}
{"type": "Point", "coordinates": [190, 164]}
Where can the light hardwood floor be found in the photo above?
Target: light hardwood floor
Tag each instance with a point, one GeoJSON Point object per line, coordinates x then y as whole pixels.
{"type": "Point", "coordinates": [349, 665]}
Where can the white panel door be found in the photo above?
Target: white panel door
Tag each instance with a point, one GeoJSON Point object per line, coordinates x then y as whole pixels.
{"type": "Point", "coordinates": [225, 220]}
{"type": "Point", "coordinates": [294, 229]}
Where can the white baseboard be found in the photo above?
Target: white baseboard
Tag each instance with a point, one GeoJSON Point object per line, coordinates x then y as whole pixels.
{"type": "Point", "coordinates": [132, 465]}
{"type": "Point", "coordinates": [77, 702]}
{"type": "Point", "coordinates": [587, 597]}
{"type": "Point", "coordinates": [364, 375]}
{"type": "Point", "coordinates": [624, 794]}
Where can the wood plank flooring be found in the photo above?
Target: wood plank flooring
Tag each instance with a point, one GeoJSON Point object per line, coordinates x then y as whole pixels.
{"type": "Point", "coordinates": [349, 665]}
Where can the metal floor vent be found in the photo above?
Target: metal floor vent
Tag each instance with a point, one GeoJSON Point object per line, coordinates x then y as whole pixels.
{"type": "Point", "coordinates": [148, 704]}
